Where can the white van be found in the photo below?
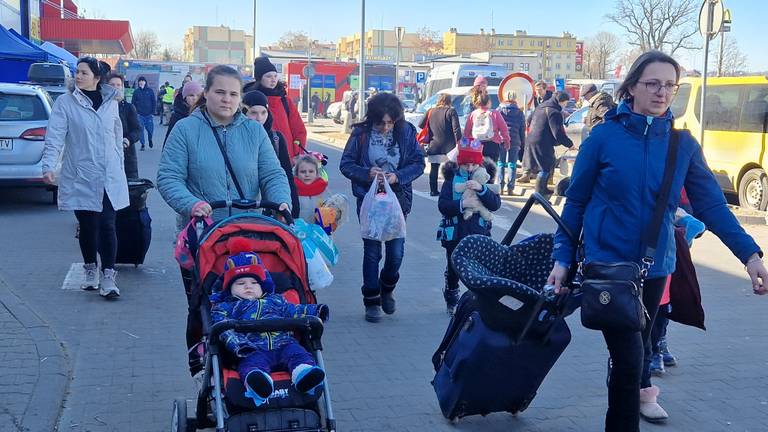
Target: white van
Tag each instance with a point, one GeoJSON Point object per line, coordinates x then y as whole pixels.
{"type": "Point", "coordinates": [447, 76]}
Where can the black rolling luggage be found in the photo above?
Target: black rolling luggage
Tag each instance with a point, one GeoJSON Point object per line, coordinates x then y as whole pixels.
{"type": "Point", "coordinates": [508, 331]}
{"type": "Point", "coordinates": [134, 225]}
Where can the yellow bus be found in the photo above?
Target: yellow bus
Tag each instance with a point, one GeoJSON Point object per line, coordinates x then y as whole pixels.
{"type": "Point", "coordinates": [734, 134]}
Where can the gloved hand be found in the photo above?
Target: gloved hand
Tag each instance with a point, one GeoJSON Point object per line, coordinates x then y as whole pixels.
{"type": "Point", "coordinates": [324, 312]}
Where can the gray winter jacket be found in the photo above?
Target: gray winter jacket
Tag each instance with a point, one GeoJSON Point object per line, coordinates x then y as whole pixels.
{"type": "Point", "coordinates": [192, 168]}
{"type": "Point", "coordinates": [90, 145]}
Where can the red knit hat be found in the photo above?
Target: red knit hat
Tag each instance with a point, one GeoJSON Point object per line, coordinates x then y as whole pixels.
{"type": "Point", "coordinates": [470, 152]}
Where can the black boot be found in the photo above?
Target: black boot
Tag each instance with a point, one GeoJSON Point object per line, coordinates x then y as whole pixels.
{"type": "Point", "coordinates": [450, 294]}
{"type": "Point", "coordinates": [541, 186]}
{"type": "Point", "coordinates": [373, 312]}
{"type": "Point", "coordinates": [387, 297]}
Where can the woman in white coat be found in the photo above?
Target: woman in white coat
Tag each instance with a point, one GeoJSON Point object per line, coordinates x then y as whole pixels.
{"type": "Point", "coordinates": [86, 134]}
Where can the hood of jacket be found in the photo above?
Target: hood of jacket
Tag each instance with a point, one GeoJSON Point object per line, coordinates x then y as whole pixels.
{"type": "Point", "coordinates": [638, 124]}
{"type": "Point", "coordinates": [107, 94]}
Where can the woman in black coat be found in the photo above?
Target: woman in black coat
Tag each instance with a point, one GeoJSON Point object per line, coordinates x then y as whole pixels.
{"type": "Point", "coordinates": [256, 107]}
{"type": "Point", "coordinates": [546, 132]}
{"type": "Point", "coordinates": [131, 127]}
{"type": "Point", "coordinates": [446, 132]}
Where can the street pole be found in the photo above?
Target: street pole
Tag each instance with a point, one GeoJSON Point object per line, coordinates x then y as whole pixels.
{"type": "Point", "coordinates": [310, 114]}
{"type": "Point", "coordinates": [361, 98]}
{"type": "Point", "coordinates": [707, 37]}
{"type": "Point", "coordinates": [399, 32]}
{"type": "Point", "coordinates": [720, 57]}
{"type": "Point", "coordinates": [255, 40]}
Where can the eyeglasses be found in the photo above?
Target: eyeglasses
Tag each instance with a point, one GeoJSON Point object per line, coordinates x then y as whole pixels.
{"type": "Point", "coordinates": [655, 86]}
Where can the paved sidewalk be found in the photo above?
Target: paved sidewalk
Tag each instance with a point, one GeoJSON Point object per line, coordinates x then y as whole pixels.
{"type": "Point", "coordinates": [33, 368]}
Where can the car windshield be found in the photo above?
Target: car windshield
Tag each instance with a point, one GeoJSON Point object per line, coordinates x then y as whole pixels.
{"type": "Point", "coordinates": [427, 104]}
{"type": "Point", "coordinates": [15, 107]}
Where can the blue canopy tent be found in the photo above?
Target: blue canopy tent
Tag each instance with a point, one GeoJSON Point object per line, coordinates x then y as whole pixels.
{"type": "Point", "coordinates": [66, 56]}
{"type": "Point", "coordinates": [17, 53]}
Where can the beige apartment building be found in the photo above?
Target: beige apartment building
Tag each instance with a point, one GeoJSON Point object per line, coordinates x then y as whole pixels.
{"type": "Point", "coordinates": [380, 45]}
{"type": "Point", "coordinates": [203, 44]}
{"type": "Point", "coordinates": [556, 56]}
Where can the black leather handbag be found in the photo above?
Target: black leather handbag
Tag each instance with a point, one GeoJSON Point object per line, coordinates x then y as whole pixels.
{"type": "Point", "coordinates": [612, 293]}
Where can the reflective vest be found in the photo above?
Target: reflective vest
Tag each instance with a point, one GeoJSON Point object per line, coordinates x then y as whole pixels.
{"type": "Point", "coordinates": [168, 96]}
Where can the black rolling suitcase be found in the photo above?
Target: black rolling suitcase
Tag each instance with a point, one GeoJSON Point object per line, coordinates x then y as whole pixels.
{"type": "Point", "coordinates": [507, 333]}
{"type": "Point", "coordinates": [134, 225]}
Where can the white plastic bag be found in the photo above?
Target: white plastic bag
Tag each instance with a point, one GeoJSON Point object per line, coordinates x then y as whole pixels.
{"type": "Point", "coordinates": [381, 217]}
{"type": "Point", "coordinates": [319, 275]}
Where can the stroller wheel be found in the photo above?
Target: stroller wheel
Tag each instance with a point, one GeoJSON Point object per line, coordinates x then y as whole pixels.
{"type": "Point", "coordinates": [179, 420]}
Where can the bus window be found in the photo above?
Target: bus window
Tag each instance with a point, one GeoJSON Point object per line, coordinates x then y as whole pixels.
{"type": "Point", "coordinates": [723, 108]}
{"type": "Point", "coordinates": [754, 114]}
{"type": "Point", "coordinates": [681, 100]}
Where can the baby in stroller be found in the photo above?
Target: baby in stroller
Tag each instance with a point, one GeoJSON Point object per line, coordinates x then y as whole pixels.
{"type": "Point", "coordinates": [248, 293]}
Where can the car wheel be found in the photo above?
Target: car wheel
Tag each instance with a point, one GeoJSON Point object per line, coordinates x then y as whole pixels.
{"type": "Point", "coordinates": [179, 419]}
{"type": "Point", "coordinates": [753, 190]}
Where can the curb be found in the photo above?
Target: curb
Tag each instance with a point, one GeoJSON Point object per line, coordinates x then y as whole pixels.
{"type": "Point", "coordinates": [45, 404]}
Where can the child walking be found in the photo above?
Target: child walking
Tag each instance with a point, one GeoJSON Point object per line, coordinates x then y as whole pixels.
{"type": "Point", "coordinates": [310, 185]}
{"type": "Point", "coordinates": [248, 293]}
{"type": "Point", "coordinates": [452, 204]}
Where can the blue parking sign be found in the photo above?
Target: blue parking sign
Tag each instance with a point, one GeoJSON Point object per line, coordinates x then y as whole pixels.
{"type": "Point", "coordinates": [421, 77]}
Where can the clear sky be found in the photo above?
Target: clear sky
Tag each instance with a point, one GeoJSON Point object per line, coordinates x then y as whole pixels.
{"type": "Point", "coordinates": [328, 20]}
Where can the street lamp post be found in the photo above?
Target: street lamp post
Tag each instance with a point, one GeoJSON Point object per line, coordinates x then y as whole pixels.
{"type": "Point", "coordinates": [255, 39]}
{"type": "Point", "coordinates": [361, 99]}
{"type": "Point", "coordinates": [399, 33]}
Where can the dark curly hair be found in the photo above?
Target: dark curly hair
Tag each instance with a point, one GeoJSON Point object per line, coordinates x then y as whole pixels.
{"type": "Point", "coordinates": [379, 106]}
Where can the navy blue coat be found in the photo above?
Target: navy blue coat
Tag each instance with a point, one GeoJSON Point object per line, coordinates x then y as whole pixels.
{"type": "Point", "coordinates": [454, 226]}
{"type": "Point", "coordinates": [515, 120]}
{"type": "Point", "coordinates": [355, 165]}
{"type": "Point", "coordinates": [144, 101]}
{"type": "Point", "coordinates": [615, 185]}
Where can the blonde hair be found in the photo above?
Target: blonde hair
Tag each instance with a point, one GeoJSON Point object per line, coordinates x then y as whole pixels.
{"type": "Point", "coordinates": [305, 158]}
{"type": "Point", "coordinates": [480, 99]}
{"type": "Point", "coordinates": [444, 100]}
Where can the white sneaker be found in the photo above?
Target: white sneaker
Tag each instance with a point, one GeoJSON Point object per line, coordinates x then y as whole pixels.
{"type": "Point", "coordinates": [107, 287]}
{"type": "Point", "coordinates": [91, 277]}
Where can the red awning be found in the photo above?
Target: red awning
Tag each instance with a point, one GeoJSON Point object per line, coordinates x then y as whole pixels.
{"type": "Point", "coordinates": [90, 36]}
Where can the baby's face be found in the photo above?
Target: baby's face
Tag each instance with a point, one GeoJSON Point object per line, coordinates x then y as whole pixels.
{"type": "Point", "coordinates": [306, 172]}
{"type": "Point", "coordinates": [247, 288]}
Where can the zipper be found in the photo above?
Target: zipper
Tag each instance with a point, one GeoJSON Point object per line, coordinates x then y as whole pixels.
{"type": "Point", "coordinates": [644, 183]}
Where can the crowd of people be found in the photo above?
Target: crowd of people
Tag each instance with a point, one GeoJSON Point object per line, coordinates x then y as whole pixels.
{"type": "Point", "coordinates": [227, 141]}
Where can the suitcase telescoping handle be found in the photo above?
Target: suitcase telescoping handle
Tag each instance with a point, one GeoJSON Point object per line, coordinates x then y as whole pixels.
{"type": "Point", "coordinates": [536, 198]}
{"type": "Point", "coordinates": [246, 204]}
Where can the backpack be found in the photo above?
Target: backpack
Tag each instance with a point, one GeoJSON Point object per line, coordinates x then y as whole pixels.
{"type": "Point", "coordinates": [482, 126]}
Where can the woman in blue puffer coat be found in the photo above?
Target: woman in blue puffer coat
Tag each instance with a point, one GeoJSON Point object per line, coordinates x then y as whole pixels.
{"type": "Point", "coordinates": [615, 182]}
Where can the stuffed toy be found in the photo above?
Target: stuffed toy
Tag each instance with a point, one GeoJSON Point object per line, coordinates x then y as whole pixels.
{"type": "Point", "coordinates": [472, 203]}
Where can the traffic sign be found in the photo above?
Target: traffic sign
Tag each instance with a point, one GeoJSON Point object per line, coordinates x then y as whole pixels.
{"type": "Point", "coordinates": [309, 71]}
{"type": "Point", "coordinates": [421, 77]}
{"type": "Point", "coordinates": [711, 18]}
{"type": "Point", "coordinates": [518, 86]}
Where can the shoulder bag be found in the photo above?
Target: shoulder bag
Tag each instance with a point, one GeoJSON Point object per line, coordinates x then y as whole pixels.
{"type": "Point", "coordinates": [612, 293]}
{"type": "Point", "coordinates": [226, 158]}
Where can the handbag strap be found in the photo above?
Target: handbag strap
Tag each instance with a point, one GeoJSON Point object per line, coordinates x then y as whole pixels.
{"type": "Point", "coordinates": [652, 234]}
{"type": "Point", "coordinates": [226, 158]}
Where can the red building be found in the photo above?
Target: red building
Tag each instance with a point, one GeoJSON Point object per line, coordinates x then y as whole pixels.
{"type": "Point", "coordinates": [65, 28]}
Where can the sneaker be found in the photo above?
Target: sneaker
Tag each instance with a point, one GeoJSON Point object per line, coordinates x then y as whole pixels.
{"type": "Point", "coordinates": [657, 365]}
{"type": "Point", "coordinates": [151, 145]}
{"type": "Point", "coordinates": [91, 277]}
{"type": "Point", "coordinates": [142, 147]}
{"type": "Point", "coordinates": [307, 378]}
{"type": "Point", "coordinates": [388, 303]}
{"type": "Point", "coordinates": [107, 287]}
{"type": "Point", "coordinates": [434, 193]}
{"type": "Point", "coordinates": [373, 313]}
{"type": "Point", "coordinates": [667, 357]}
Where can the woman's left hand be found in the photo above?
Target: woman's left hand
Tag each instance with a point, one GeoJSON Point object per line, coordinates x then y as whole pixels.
{"type": "Point", "coordinates": [282, 207]}
{"type": "Point", "coordinates": [391, 178]}
{"type": "Point", "coordinates": [758, 273]}
{"type": "Point", "coordinates": [126, 143]}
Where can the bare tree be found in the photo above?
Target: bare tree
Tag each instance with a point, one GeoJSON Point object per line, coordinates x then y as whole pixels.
{"type": "Point", "coordinates": [429, 42]}
{"type": "Point", "coordinates": [600, 54]}
{"type": "Point", "coordinates": [732, 61]}
{"type": "Point", "coordinates": [171, 54]}
{"type": "Point", "coordinates": [296, 40]}
{"type": "Point", "coordinates": [665, 25]}
{"type": "Point", "coordinates": [146, 45]}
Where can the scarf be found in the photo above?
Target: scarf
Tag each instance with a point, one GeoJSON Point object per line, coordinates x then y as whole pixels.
{"type": "Point", "coordinates": [315, 188]}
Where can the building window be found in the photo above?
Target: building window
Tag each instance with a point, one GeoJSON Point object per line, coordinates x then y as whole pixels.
{"type": "Point", "coordinates": [559, 44]}
{"type": "Point", "coordinates": [533, 43]}
{"type": "Point", "coordinates": [541, 43]}
{"type": "Point", "coordinates": [568, 66]}
{"type": "Point", "coordinates": [525, 67]}
{"type": "Point", "coordinates": [558, 56]}
{"type": "Point", "coordinates": [557, 66]}
{"type": "Point", "coordinates": [501, 42]}
{"type": "Point", "coordinates": [509, 42]}
{"type": "Point", "coordinates": [520, 43]}
{"type": "Point", "coordinates": [509, 66]}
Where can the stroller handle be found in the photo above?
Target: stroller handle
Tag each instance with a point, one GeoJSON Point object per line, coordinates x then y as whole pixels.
{"type": "Point", "coordinates": [246, 204]}
{"type": "Point", "coordinates": [310, 325]}
{"type": "Point", "coordinates": [536, 198]}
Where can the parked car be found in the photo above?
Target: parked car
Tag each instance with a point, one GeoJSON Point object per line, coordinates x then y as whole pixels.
{"type": "Point", "coordinates": [24, 113]}
{"type": "Point", "coordinates": [574, 128]}
{"type": "Point", "coordinates": [409, 105]}
{"type": "Point", "coordinates": [459, 100]}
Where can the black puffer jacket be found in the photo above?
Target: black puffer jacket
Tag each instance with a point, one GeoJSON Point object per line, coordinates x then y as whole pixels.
{"type": "Point", "coordinates": [445, 127]}
{"type": "Point", "coordinates": [132, 131]}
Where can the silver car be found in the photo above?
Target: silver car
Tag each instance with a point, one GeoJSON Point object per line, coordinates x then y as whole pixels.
{"type": "Point", "coordinates": [24, 113]}
{"type": "Point", "coordinates": [574, 128]}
